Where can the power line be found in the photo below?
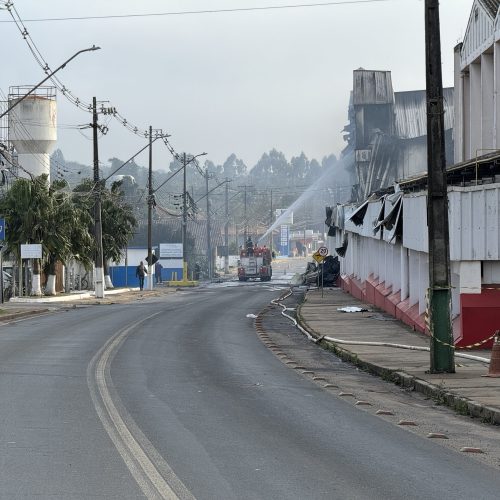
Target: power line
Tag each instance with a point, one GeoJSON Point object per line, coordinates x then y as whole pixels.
{"type": "Point", "coordinates": [207, 11]}
{"type": "Point", "coordinates": [110, 111]}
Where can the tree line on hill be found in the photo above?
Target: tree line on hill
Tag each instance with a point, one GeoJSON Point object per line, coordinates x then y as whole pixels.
{"type": "Point", "coordinates": [273, 171]}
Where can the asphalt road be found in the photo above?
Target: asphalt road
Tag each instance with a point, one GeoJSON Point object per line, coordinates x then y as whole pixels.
{"type": "Point", "coordinates": [178, 398]}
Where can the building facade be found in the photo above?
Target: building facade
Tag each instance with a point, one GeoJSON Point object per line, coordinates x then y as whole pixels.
{"type": "Point", "coordinates": [477, 83]}
{"type": "Point", "coordinates": [384, 239]}
{"type": "Point", "coordinates": [387, 131]}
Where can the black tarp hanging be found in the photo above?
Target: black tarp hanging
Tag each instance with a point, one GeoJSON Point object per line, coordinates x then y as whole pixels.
{"type": "Point", "coordinates": [341, 251]}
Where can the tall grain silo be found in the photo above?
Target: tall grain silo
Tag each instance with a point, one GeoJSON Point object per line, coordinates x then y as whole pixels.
{"type": "Point", "coordinates": [33, 128]}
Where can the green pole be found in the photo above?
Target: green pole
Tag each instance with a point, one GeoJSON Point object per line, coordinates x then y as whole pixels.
{"type": "Point", "coordinates": [442, 351]}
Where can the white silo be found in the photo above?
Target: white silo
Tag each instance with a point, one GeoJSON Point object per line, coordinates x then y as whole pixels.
{"type": "Point", "coordinates": [33, 128]}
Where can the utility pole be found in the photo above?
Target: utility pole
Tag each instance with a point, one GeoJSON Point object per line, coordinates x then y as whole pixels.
{"type": "Point", "coordinates": [271, 220]}
{"type": "Point", "coordinates": [209, 243]}
{"type": "Point", "coordinates": [226, 230]}
{"type": "Point", "coordinates": [442, 352]}
{"type": "Point", "coordinates": [245, 237]}
{"type": "Point", "coordinates": [245, 221]}
{"type": "Point", "coordinates": [185, 162]}
{"type": "Point", "coordinates": [99, 271]}
{"type": "Point", "coordinates": [184, 220]}
{"type": "Point", "coordinates": [150, 211]}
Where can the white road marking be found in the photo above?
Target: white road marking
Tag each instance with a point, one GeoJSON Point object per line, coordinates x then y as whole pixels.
{"type": "Point", "coordinates": [143, 470]}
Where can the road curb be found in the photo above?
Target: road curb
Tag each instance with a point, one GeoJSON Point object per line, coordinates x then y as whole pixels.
{"type": "Point", "coordinates": [24, 314]}
{"type": "Point", "coordinates": [460, 404]}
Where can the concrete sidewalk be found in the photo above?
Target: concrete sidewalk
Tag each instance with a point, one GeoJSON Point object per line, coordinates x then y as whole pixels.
{"type": "Point", "coordinates": [467, 391]}
{"type": "Point", "coordinates": [18, 308]}
{"type": "Point", "coordinates": [70, 297]}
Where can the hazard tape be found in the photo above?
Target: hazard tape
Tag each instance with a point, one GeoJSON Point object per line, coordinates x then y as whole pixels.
{"type": "Point", "coordinates": [471, 346]}
{"type": "Point", "coordinates": [428, 326]}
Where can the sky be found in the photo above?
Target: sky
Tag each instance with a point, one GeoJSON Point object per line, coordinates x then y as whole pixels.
{"type": "Point", "coordinates": [228, 82]}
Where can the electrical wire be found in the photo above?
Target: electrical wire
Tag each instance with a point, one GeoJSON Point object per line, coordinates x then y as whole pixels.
{"type": "Point", "coordinates": [110, 110]}
{"type": "Point", "coordinates": [206, 11]}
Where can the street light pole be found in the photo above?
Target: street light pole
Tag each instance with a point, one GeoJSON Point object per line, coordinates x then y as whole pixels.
{"type": "Point", "coordinates": [99, 271]}
{"type": "Point", "coordinates": [18, 101]}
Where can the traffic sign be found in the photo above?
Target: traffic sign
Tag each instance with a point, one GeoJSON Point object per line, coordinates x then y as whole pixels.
{"type": "Point", "coordinates": [318, 257]}
{"type": "Point", "coordinates": [323, 251]}
{"type": "Point", "coordinates": [2, 229]}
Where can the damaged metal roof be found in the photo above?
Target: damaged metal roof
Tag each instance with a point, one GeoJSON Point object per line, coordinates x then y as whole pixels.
{"type": "Point", "coordinates": [372, 87]}
{"type": "Point", "coordinates": [491, 7]}
{"type": "Point", "coordinates": [410, 111]}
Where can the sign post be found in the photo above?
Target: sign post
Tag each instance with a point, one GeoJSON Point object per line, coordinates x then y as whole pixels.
{"type": "Point", "coordinates": [31, 251]}
{"type": "Point", "coordinates": [319, 257]}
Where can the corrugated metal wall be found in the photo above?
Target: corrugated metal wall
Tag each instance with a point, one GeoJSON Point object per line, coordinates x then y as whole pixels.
{"type": "Point", "coordinates": [415, 222]}
{"type": "Point", "coordinates": [474, 222]}
{"type": "Point", "coordinates": [372, 87]}
{"type": "Point", "coordinates": [474, 244]}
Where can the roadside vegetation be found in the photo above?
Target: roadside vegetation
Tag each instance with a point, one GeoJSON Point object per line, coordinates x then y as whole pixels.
{"type": "Point", "coordinates": [61, 220]}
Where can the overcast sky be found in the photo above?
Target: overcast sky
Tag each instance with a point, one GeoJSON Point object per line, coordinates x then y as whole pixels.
{"type": "Point", "coordinates": [241, 82]}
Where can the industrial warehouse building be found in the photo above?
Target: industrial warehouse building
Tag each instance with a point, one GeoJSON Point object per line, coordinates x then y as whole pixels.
{"type": "Point", "coordinates": [384, 238]}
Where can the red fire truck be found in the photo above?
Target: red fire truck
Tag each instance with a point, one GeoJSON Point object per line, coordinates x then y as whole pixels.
{"type": "Point", "coordinates": [255, 263]}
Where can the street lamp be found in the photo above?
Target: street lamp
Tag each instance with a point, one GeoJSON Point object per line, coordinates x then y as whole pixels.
{"type": "Point", "coordinates": [50, 75]}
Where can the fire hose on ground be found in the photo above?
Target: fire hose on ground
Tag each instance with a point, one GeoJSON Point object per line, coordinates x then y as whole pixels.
{"type": "Point", "coordinates": [360, 342]}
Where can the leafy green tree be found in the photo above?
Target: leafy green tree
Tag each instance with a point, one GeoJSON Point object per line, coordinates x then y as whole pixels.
{"type": "Point", "coordinates": [37, 212]}
{"type": "Point", "coordinates": [24, 208]}
{"type": "Point", "coordinates": [213, 168]}
{"type": "Point", "coordinates": [118, 224]}
{"type": "Point", "coordinates": [315, 171]}
{"type": "Point", "coordinates": [299, 167]}
{"type": "Point", "coordinates": [118, 221]}
{"type": "Point", "coordinates": [68, 235]}
{"type": "Point", "coordinates": [234, 167]}
{"type": "Point", "coordinates": [271, 170]}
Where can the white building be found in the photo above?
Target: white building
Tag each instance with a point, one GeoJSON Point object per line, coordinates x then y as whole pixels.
{"type": "Point", "coordinates": [385, 239]}
{"type": "Point", "coordinates": [477, 83]}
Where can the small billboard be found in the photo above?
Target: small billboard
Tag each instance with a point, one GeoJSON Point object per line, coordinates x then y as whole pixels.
{"type": "Point", "coordinates": [33, 251]}
{"type": "Point", "coordinates": [170, 250]}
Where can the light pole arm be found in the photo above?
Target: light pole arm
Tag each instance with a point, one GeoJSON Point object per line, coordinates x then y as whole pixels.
{"type": "Point", "coordinates": [213, 189]}
{"type": "Point", "coordinates": [129, 160]}
{"type": "Point", "coordinates": [47, 78]}
{"type": "Point", "coordinates": [167, 179]}
{"type": "Point", "coordinates": [177, 171]}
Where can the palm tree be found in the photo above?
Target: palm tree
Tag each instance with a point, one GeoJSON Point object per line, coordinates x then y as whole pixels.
{"type": "Point", "coordinates": [37, 212]}
{"type": "Point", "coordinates": [68, 235]}
{"type": "Point", "coordinates": [25, 207]}
{"type": "Point", "coordinates": [118, 224]}
{"type": "Point", "coordinates": [118, 221]}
